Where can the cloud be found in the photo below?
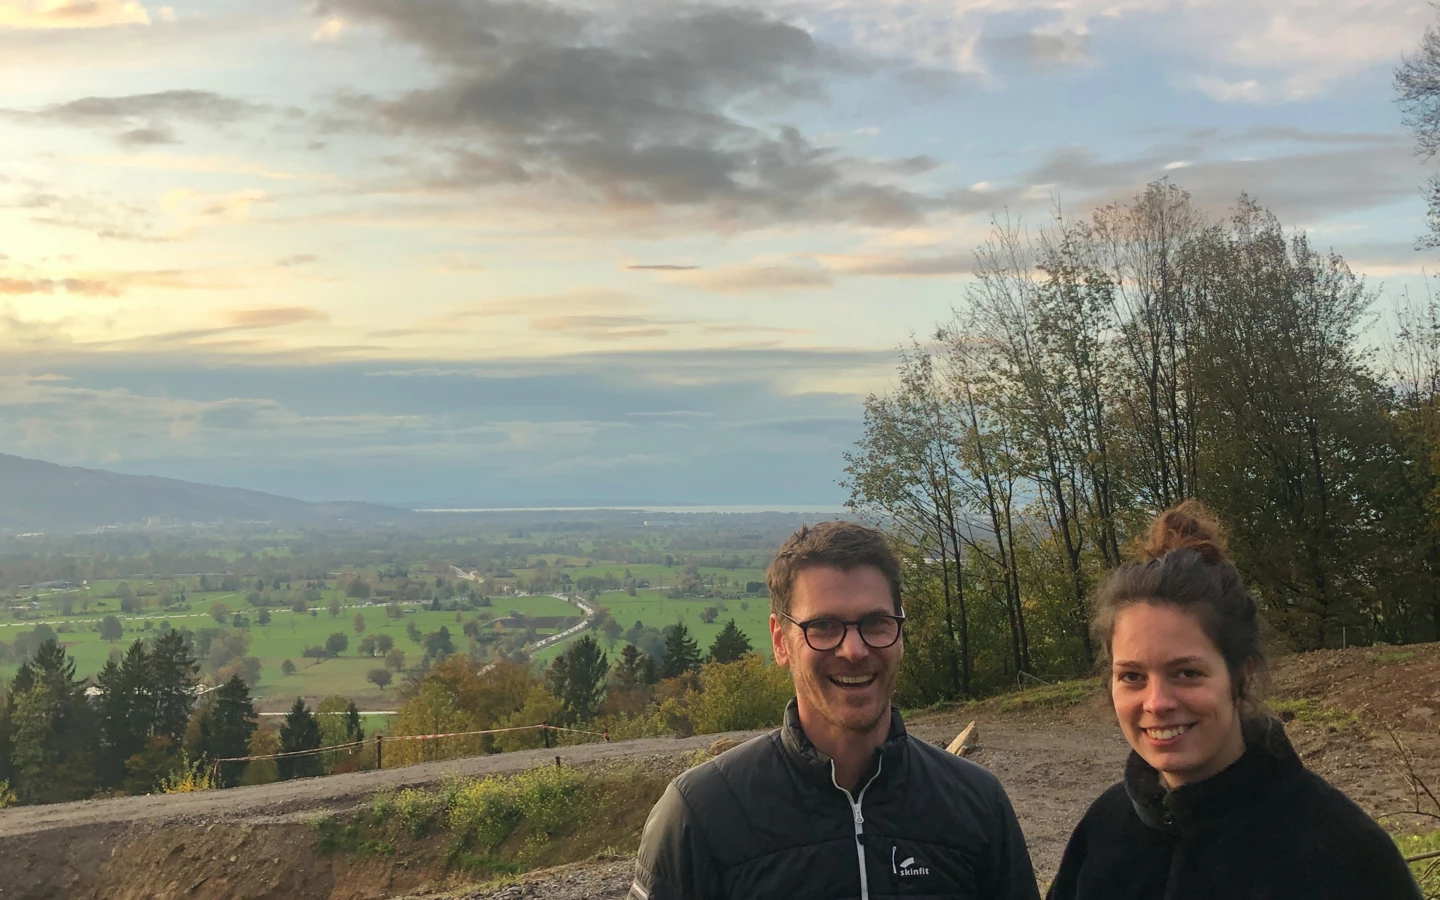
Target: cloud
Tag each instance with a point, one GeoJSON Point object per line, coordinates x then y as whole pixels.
{"type": "Point", "coordinates": [299, 259]}
{"type": "Point", "coordinates": [220, 165]}
{"type": "Point", "coordinates": [275, 316]}
{"type": "Point", "coordinates": [1301, 186]}
{"type": "Point", "coordinates": [149, 136]}
{"type": "Point", "coordinates": [661, 268]}
{"type": "Point", "coordinates": [77, 286]}
{"type": "Point", "coordinates": [1039, 49]}
{"type": "Point", "coordinates": [748, 278]}
{"type": "Point", "coordinates": [50, 14]}
{"type": "Point", "coordinates": [508, 431]}
{"type": "Point", "coordinates": [142, 120]}
{"type": "Point", "coordinates": [903, 266]}
{"type": "Point", "coordinates": [643, 114]}
{"type": "Point", "coordinates": [194, 205]}
{"type": "Point", "coordinates": [1289, 49]}
{"type": "Point", "coordinates": [100, 214]}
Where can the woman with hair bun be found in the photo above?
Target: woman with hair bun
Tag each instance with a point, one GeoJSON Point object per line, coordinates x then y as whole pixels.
{"type": "Point", "coordinates": [1215, 803]}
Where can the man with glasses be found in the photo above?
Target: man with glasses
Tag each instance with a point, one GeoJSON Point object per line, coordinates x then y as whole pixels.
{"type": "Point", "coordinates": [839, 802]}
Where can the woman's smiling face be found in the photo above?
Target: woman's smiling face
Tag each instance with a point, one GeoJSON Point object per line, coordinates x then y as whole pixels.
{"type": "Point", "coordinates": [1173, 693]}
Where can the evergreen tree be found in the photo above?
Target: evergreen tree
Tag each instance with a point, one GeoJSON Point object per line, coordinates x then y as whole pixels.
{"type": "Point", "coordinates": [225, 727]}
{"type": "Point", "coordinates": [730, 644]}
{"type": "Point", "coordinates": [682, 654]}
{"type": "Point", "coordinates": [299, 731]}
{"type": "Point", "coordinates": [172, 672]}
{"type": "Point", "coordinates": [629, 671]}
{"type": "Point", "coordinates": [53, 729]}
{"type": "Point", "coordinates": [649, 672]}
{"type": "Point", "coordinates": [126, 709]}
{"type": "Point", "coordinates": [577, 678]}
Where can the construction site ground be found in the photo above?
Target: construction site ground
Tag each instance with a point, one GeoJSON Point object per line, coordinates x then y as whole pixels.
{"type": "Point", "coordinates": [1348, 709]}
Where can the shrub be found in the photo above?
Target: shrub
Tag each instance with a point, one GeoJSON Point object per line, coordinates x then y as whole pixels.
{"type": "Point", "coordinates": [739, 696]}
{"type": "Point", "coordinates": [415, 808]}
{"type": "Point", "coordinates": [485, 811]}
{"type": "Point", "coordinates": [548, 797]}
{"type": "Point", "coordinates": [188, 777]}
{"type": "Point", "coordinates": [382, 805]}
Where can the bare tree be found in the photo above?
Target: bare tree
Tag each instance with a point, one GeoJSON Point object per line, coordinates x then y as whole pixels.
{"type": "Point", "coordinates": [1417, 86]}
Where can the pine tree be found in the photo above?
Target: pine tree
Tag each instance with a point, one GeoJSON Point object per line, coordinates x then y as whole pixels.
{"type": "Point", "coordinates": [577, 678]}
{"type": "Point", "coordinates": [53, 729]}
{"type": "Point", "coordinates": [730, 644]}
{"type": "Point", "coordinates": [300, 731]}
{"type": "Point", "coordinates": [629, 671]}
{"type": "Point", "coordinates": [127, 711]}
{"type": "Point", "coordinates": [172, 673]}
{"type": "Point", "coordinates": [225, 728]}
{"type": "Point", "coordinates": [682, 654]}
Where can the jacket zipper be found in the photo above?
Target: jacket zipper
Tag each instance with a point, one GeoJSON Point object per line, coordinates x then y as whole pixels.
{"type": "Point", "coordinates": [859, 822]}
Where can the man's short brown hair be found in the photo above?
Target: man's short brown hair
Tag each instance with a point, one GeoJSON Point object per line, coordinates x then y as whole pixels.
{"type": "Point", "coordinates": [840, 544]}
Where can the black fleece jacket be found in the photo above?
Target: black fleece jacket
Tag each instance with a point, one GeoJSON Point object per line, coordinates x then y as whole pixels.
{"type": "Point", "coordinates": [1266, 828]}
{"type": "Point", "coordinates": [766, 821]}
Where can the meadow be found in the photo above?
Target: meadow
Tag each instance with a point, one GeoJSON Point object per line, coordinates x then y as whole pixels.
{"type": "Point", "coordinates": [286, 637]}
{"type": "Point", "coordinates": [655, 610]}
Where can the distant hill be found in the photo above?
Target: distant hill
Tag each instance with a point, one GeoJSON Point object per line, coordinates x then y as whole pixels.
{"type": "Point", "coordinates": [41, 496]}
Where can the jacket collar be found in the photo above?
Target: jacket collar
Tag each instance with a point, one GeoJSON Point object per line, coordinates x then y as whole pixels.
{"type": "Point", "coordinates": [812, 761]}
{"type": "Point", "coordinates": [1268, 764]}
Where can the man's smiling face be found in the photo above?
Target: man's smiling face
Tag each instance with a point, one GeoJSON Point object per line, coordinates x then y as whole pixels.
{"type": "Point", "coordinates": [848, 688]}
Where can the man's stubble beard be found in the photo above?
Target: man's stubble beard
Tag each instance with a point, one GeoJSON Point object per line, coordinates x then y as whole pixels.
{"type": "Point", "coordinates": [816, 682]}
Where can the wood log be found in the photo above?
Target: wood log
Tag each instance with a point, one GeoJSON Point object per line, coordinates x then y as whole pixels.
{"type": "Point", "coordinates": [965, 741]}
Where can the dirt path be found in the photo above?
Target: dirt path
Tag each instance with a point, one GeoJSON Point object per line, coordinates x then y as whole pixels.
{"type": "Point", "coordinates": [285, 801]}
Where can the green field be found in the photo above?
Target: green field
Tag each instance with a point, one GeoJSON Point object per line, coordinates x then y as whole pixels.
{"type": "Point", "coordinates": [286, 637]}
{"type": "Point", "coordinates": [74, 613]}
{"type": "Point", "coordinates": [657, 575]}
{"type": "Point", "coordinates": [656, 611]}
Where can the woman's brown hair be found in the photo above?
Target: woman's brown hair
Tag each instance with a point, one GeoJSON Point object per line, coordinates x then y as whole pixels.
{"type": "Point", "coordinates": [1181, 562]}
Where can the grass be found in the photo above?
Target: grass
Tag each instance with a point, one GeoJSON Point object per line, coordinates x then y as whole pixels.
{"type": "Point", "coordinates": [1427, 872]}
{"type": "Point", "coordinates": [287, 636]}
{"type": "Point", "coordinates": [502, 825]}
{"type": "Point", "coordinates": [1308, 711]}
{"type": "Point", "coordinates": [1398, 656]}
{"type": "Point", "coordinates": [1060, 695]}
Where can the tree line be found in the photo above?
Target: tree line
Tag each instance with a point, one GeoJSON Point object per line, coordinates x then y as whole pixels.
{"type": "Point", "coordinates": [1101, 370]}
{"type": "Point", "coordinates": [680, 689]}
{"type": "Point", "coordinates": [142, 725]}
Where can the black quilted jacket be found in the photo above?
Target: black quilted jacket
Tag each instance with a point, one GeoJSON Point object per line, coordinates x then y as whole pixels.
{"type": "Point", "coordinates": [766, 820]}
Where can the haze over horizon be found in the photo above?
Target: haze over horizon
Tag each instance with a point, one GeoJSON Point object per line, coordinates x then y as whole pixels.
{"type": "Point", "coordinates": [588, 252]}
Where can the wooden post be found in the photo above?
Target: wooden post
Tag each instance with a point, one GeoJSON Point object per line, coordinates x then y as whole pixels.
{"type": "Point", "coordinates": [379, 751]}
{"type": "Point", "coordinates": [545, 734]}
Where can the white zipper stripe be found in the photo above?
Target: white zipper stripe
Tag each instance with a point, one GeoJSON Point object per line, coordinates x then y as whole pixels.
{"type": "Point", "coordinates": [859, 822]}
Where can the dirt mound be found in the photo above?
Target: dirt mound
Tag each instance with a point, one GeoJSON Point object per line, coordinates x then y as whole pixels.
{"type": "Point", "coordinates": [216, 862]}
{"type": "Point", "coordinates": [1394, 686]}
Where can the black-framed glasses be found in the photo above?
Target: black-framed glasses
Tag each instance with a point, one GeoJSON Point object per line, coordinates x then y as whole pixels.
{"type": "Point", "coordinates": [877, 630]}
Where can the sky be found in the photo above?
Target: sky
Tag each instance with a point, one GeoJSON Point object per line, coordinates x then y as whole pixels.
{"type": "Point", "coordinates": [587, 252]}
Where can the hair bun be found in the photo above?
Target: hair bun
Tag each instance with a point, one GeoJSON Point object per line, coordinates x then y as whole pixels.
{"type": "Point", "coordinates": [1189, 526]}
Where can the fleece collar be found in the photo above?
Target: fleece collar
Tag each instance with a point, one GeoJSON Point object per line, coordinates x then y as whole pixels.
{"type": "Point", "coordinates": [1269, 765]}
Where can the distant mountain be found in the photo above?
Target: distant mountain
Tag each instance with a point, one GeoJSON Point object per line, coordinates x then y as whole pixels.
{"type": "Point", "coordinates": [41, 496]}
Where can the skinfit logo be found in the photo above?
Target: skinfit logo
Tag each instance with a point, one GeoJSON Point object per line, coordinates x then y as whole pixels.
{"type": "Point", "coordinates": [906, 867]}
